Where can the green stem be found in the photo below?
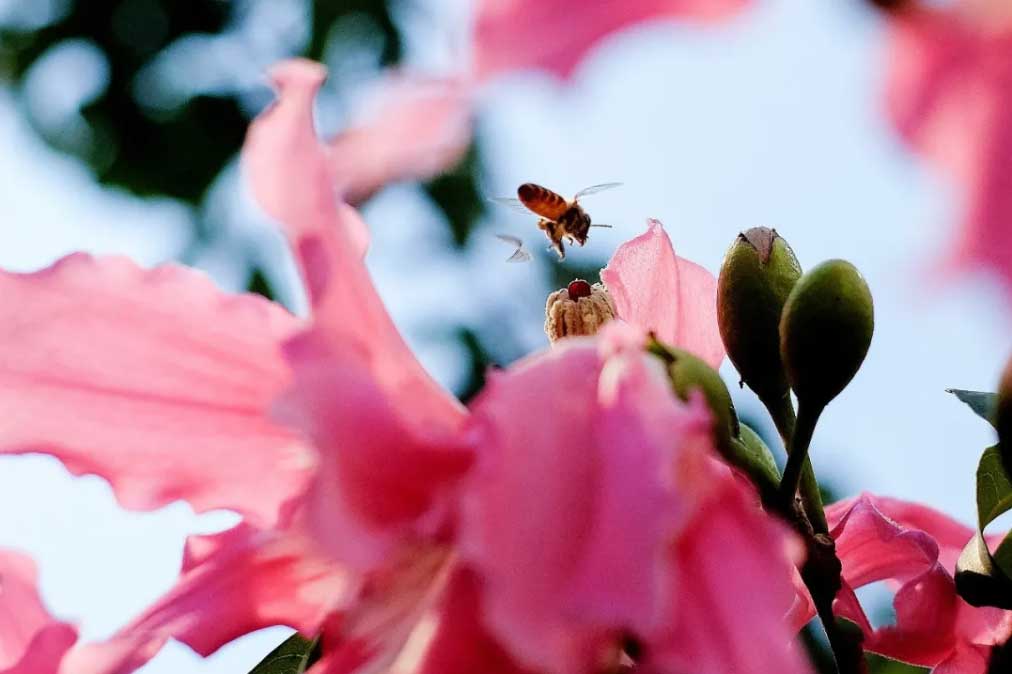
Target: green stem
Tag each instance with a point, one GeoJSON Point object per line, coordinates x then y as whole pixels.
{"type": "Point", "coordinates": [782, 412]}
{"type": "Point", "coordinates": [797, 455]}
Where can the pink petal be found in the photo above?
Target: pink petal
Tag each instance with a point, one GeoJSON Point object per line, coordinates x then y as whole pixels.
{"type": "Point", "coordinates": [27, 631]}
{"type": "Point", "coordinates": [949, 95]}
{"type": "Point", "coordinates": [239, 581]}
{"type": "Point", "coordinates": [386, 432]}
{"type": "Point", "coordinates": [155, 380]}
{"type": "Point", "coordinates": [387, 622]}
{"type": "Point", "coordinates": [734, 590]}
{"type": "Point", "coordinates": [965, 660]}
{"type": "Point", "coordinates": [576, 496]}
{"type": "Point", "coordinates": [555, 34]}
{"type": "Point", "coordinates": [656, 290]}
{"type": "Point", "coordinates": [873, 547]}
{"type": "Point", "coordinates": [46, 651]}
{"type": "Point", "coordinates": [460, 643]}
{"type": "Point", "coordinates": [418, 129]}
{"type": "Point", "coordinates": [290, 173]}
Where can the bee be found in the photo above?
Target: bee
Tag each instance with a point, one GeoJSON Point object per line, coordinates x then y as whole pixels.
{"type": "Point", "coordinates": [559, 218]}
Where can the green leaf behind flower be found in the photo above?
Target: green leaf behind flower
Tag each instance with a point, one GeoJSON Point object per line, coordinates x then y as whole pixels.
{"type": "Point", "coordinates": [294, 656]}
{"type": "Point", "coordinates": [983, 578]}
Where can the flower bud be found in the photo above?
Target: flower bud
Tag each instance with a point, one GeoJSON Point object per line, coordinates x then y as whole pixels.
{"type": "Point", "coordinates": [579, 309]}
{"type": "Point", "coordinates": [689, 373]}
{"type": "Point", "coordinates": [825, 331]}
{"type": "Point", "coordinates": [758, 273]}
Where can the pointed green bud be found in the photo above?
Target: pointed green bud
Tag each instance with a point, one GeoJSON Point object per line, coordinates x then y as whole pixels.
{"type": "Point", "coordinates": [825, 331]}
{"type": "Point", "coordinates": [758, 273]}
{"type": "Point", "coordinates": [689, 373]}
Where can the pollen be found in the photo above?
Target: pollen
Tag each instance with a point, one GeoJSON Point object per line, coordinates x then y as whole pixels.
{"type": "Point", "coordinates": [579, 309]}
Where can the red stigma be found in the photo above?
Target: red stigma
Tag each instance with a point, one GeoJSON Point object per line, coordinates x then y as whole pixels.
{"type": "Point", "coordinates": [578, 288]}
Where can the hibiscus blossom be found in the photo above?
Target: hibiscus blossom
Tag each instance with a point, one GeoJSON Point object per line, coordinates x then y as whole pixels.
{"type": "Point", "coordinates": [914, 548]}
{"type": "Point", "coordinates": [577, 506]}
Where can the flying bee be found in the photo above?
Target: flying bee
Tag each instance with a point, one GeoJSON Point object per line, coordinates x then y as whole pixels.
{"type": "Point", "coordinates": [559, 218]}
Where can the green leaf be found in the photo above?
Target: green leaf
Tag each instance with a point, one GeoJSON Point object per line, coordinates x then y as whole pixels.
{"type": "Point", "coordinates": [293, 656]}
{"type": "Point", "coordinates": [994, 489]}
{"type": "Point", "coordinates": [983, 578]}
{"type": "Point", "coordinates": [982, 403]}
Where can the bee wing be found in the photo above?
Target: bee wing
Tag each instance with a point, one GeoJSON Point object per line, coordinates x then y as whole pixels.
{"type": "Point", "coordinates": [594, 189]}
{"type": "Point", "coordinates": [515, 204]}
{"type": "Point", "coordinates": [520, 254]}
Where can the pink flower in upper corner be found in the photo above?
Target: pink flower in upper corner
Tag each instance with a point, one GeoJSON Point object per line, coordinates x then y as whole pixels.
{"type": "Point", "coordinates": [33, 642]}
{"type": "Point", "coordinates": [655, 289]}
{"type": "Point", "coordinates": [914, 548]}
{"type": "Point", "coordinates": [608, 519]}
{"type": "Point", "coordinates": [555, 34]}
{"type": "Point", "coordinates": [950, 96]}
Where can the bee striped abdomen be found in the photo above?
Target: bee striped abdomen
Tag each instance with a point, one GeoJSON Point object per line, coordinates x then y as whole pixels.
{"type": "Point", "coordinates": [542, 201]}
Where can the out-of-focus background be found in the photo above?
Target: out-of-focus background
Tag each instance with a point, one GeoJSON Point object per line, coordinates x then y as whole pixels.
{"type": "Point", "coordinates": [120, 121]}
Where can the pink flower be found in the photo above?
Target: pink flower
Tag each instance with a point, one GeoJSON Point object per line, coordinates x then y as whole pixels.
{"type": "Point", "coordinates": [658, 291]}
{"type": "Point", "coordinates": [555, 34]}
{"type": "Point", "coordinates": [33, 642]}
{"type": "Point", "coordinates": [609, 518]}
{"type": "Point", "coordinates": [914, 548]}
{"type": "Point", "coordinates": [950, 95]}
{"type": "Point", "coordinates": [371, 496]}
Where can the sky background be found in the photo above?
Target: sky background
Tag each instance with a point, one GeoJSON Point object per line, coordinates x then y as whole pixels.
{"type": "Point", "coordinates": [772, 119]}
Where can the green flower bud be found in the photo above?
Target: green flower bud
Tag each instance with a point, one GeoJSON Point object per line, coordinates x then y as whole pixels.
{"type": "Point", "coordinates": [688, 373]}
{"type": "Point", "coordinates": [825, 331]}
{"type": "Point", "coordinates": [758, 273]}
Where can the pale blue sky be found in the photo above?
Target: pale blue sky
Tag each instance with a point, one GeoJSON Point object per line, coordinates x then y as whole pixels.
{"type": "Point", "coordinates": [771, 120]}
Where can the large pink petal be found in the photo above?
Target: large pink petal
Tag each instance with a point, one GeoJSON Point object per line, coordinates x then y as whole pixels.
{"type": "Point", "coordinates": [949, 95]}
{"type": "Point", "coordinates": [386, 432]}
{"type": "Point", "coordinates": [575, 498]}
{"type": "Point", "coordinates": [239, 581]}
{"type": "Point", "coordinates": [656, 290]}
{"type": "Point", "coordinates": [419, 128]}
{"type": "Point", "coordinates": [154, 379]}
{"type": "Point", "coordinates": [734, 590]}
{"type": "Point", "coordinates": [555, 34]}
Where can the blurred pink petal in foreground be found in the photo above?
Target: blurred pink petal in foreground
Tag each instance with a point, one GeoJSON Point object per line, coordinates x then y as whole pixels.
{"type": "Point", "coordinates": [556, 34]}
{"type": "Point", "coordinates": [950, 96]}
{"type": "Point", "coordinates": [33, 642]}
{"type": "Point", "coordinates": [656, 290]}
{"type": "Point", "coordinates": [914, 548]}
{"type": "Point", "coordinates": [387, 434]}
{"type": "Point", "coordinates": [155, 380]}
{"type": "Point", "coordinates": [570, 518]}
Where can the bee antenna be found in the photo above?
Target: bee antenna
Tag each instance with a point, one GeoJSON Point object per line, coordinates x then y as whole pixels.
{"type": "Point", "coordinates": [608, 226]}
